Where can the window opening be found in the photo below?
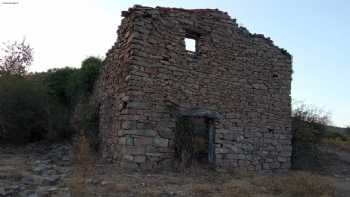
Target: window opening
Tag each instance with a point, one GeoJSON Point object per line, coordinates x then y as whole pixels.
{"type": "Point", "coordinates": [190, 44]}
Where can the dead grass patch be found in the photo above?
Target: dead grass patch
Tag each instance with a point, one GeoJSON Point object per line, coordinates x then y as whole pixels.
{"type": "Point", "coordinates": [117, 188]}
{"type": "Point", "coordinates": [83, 167]}
{"type": "Point", "coordinates": [243, 173]}
{"type": "Point", "coordinates": [236, 189]}
{"type": "Point", "coordinates": [201, 189]}
{"type": "Point", "coordinates": [301, 184]}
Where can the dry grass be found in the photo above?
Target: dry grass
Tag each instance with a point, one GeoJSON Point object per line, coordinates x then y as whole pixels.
{"type": "Point", "coordinates": [240, 183]}
{"type": "Point", "coordinates": [301, 184]}
{"type": "Point", "coordinates": [117, 188]}
{"type": "Point", "coordinates": [236, 189]}
{"type": "Point", "coordinates": [242, 173]}
{"type": "Point", "coordinates": [83, 167]}
{"type": "Point", "coordinates": [201, 189]}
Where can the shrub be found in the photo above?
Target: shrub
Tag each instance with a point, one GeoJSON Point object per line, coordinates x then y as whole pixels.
{"type": "Point", "coordinates": [58, 82]}
{"type": "Point", "coordinates": [80, 83]}
{"type": "Point", "coordinates": [347, 131]}
{"type": "Point", "coordinates": [90, 69]}
{"type": "Point", "coordinates": [86, 120]}
{"type": "Point", "coordinates": [23, 109]}
{"type": "Point", "coordinates": [308, 126]}
{"type": "Point", "coordinates": [69, 90]}
{"type": "Point", "coordinates": [86, 114]}
{"type": "Point", "coordinates": [334, 135]}
{"type": "Point", "coordinates": [60, 103]}
{"type": "Point", "coordinates": [60, 127]}
{"type": "Point", "coordinates": [339, 143]}
{"type": "Point", "coordinates": [41, 105]}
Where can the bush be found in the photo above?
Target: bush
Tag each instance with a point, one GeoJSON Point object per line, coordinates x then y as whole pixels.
{"type": "Point", "coordinates": [42, 105]}
{"type": "Point", "coordinates": [86, 114]}
{"type": "Point", "coordinates": [69, 90]}
{"type": "Point", "coordinates": [89, 72]}
{"type": "Point", "coordinates": [86, 120]}
{"type": "Point", "coordinates": [56, 81]}
{"type": "Point", "coordinates": [339, 143]}
{"type": "Point", "coordinates": [308, 127]}
{"type": "Point", "coordinates": [59, 82]}
{"type": "Point", "coordinates": [67, 85]}
{"type": "Point", "coordinates": [347, 131]}
{"type": "Point", "coordinates": [334, 135]}
{"type": "Point", "coordinates": [23, 109]}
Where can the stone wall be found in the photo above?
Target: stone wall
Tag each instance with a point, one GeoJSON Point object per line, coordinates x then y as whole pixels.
{"type": "Point", "coordinates": [150, 78]}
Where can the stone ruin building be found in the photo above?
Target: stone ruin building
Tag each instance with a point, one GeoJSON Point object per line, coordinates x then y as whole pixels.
{"type": "Point", "coordinates": [226, 103]}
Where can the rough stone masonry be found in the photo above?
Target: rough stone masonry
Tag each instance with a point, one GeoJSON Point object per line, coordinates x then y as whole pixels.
{"type": "Point", "coordinates": [237, 83]}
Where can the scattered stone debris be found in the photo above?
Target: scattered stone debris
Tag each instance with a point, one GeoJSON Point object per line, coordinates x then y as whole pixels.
{"type": "Point", "coordinates": [35, 170]}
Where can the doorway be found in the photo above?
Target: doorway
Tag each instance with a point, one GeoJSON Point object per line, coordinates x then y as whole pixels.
{"type": "Point", "coordinates": [194, 140]}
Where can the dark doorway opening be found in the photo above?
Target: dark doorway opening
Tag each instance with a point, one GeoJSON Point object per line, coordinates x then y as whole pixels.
{"type": "Point", "coordinates": [200, 139]}
{"type": "Point", "coordinates": [194, 140]}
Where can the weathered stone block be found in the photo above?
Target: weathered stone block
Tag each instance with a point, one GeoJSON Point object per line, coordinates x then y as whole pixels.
{"type": "Point", "coordinates": [141, 140]}
{"type": "Point", "coordinates": [160, 142]}
{"type": "Point", "coordinates": [139, 158]}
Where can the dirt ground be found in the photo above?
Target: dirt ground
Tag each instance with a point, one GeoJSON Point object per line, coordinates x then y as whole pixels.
{"type": "Point", "coordinates": [43, 169]}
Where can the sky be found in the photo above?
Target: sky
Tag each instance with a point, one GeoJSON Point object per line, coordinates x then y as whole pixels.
{"type": "Point", "coordinates": [315, 32]}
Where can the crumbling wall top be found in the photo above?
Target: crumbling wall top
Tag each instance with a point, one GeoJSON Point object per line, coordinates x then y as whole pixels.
{"type": "Point", "coordinates": [170, 10]}
{"type": "Point", "coordinates": [150, 11]}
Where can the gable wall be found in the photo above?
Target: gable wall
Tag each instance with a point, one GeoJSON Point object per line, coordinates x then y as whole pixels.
{"type": "Point", "coordinates": [241, 76]}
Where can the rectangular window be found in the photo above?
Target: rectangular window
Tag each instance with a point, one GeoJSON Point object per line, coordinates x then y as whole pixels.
{"type": "Point", "coordinates": [190, 44]}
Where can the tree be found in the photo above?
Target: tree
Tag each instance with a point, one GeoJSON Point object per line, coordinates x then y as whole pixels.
{"type": "Point", "coordinates": [42, 105]}
{"type": "Point", "coordinates": [23, 109]}
{"type": "Point", "coordinates": [90, 69]}
{"type": "Point", "coordinates": [69, 90]}
{"type": "Point", "coordinates": [15, 58]}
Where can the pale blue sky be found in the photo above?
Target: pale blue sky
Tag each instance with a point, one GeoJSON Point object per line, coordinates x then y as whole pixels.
{"type": "Point", "coordinates": [316, 33]}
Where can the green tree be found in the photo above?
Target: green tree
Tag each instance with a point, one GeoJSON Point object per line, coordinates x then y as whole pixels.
{"type": "Point", "coordinates": [86, 110]}
{"type": "Point", "coordinates": [43, 105]}
{"type": "Point", "coordinates": [90, 69]}
{"type": "Point", "coordinates": [57, 82]}
{"type": "Point", "coordinates": [69, 89]}
{"type": "Point", "coordinates": [23, 109]}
